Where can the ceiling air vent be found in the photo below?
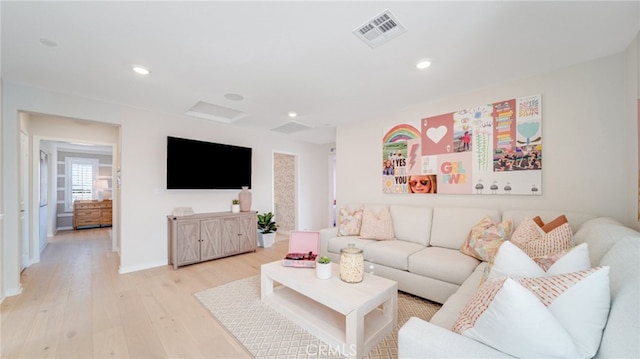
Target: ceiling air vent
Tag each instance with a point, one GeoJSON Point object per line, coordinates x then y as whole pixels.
{"type": "Point", "coordinates": [291, 127]}
{"type": "Point", "coordinates": [380, 29]}
{"type": "Point", "coordinates": [209, 111]}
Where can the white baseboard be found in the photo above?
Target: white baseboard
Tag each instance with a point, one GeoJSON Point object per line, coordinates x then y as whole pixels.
{"type": "Point", "coordinates": [129, 269]}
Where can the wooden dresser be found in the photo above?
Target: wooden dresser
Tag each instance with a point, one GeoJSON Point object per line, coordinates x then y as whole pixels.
{"type": "Point", "coordinates": [92, 213]}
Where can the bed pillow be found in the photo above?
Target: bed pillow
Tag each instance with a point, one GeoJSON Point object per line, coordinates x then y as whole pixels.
{"type": "Point", "coordinates": [349, 222]}
{"type": "Point", "coordinates": [536, 243]}
{"type": "Point", "coordinates": [554, 316]}
{"type": "Point", "coordinates": [378, 226]}
{"type": "Point", "coordinates": [485, 238]}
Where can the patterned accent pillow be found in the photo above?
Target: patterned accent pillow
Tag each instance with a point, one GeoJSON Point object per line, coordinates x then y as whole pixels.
{"type": "Point", "coordinates": [349, 222]}
{"type": "Point", "coordinates": [536, 243]}
{"type": "Point", "coordinates": [485, 238]}
{"type": "Point", "coordinates": [377, 225]}
{"type": "Point", "coordinates": [569, 312]}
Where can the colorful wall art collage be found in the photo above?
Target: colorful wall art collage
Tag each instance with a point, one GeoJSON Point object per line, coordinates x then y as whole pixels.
{"type": "Point", "coordinates": [493, 149]}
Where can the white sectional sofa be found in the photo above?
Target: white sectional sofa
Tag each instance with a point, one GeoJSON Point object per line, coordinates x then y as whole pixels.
{"type": "Point", "coordinates": [426, 261]}
{"type": "Point", "coordinates": [425, 258]}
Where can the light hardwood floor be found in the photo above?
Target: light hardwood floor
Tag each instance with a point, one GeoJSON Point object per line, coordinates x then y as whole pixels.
{"type": "Point", "coordinates": [74, 304]}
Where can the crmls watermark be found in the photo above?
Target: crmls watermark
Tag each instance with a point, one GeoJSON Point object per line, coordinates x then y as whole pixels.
{"type": "Point", "coordinates": [322, 351]}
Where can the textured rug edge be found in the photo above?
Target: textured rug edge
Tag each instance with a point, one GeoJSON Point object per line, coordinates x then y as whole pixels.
{"type": "Point", "coordinates": [226, 330]}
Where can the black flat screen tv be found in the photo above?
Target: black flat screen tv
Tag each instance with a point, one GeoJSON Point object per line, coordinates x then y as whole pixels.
{"type": "Point", "coordinates": [193, 164]}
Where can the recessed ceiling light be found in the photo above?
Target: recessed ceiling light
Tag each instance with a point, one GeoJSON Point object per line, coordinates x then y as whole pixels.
{"type": "Point", "coordinates": [423, 64]}
{"type": "Point", "coordinates": [233, 97]}
{"type": "Point", "coordinates": [140, 70]}
{"type": "Point", "coordinates": [48, 42]}
{"type": "Point", "coordinates": [292, 114]}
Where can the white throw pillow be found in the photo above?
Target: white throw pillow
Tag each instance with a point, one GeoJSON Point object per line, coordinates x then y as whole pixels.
{"type": "Point", "coordinates": [510, 319]}
{"type": "Point", "coordinates": [553, 316]}
{"type": "Point", "coordinates": [576, 259]}
{"type": "Point", "coordinates": [580, 301]}
{"type": "Point", "coordinates": [514, 262]}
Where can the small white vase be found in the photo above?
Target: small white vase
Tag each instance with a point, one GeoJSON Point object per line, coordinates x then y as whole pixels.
{"type": "Point", "coordinates": [323, 270]}
{"type": "Point", "coordinates": [235, 208]}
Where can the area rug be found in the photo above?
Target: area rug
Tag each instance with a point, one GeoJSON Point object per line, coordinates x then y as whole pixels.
{"type": "Point", "coordinates": [266, 333]}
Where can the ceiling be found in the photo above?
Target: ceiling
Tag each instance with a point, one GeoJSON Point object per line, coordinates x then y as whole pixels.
{"type": "Point", "coordinates": [298, 56]}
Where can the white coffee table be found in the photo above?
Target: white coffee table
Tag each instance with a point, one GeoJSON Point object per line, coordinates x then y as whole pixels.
{"type": "Point", "coordinates": [350, 318]}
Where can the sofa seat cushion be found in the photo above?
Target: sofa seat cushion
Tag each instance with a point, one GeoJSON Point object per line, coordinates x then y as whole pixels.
{"type": "Point", "coordinates": [420, 339]}
{"type": "Point", "coordinates": [337, 243]}
{"type": "Point", "coordinates": [444, 264]}
{"type": "Point", "coordinates": [392, 254]}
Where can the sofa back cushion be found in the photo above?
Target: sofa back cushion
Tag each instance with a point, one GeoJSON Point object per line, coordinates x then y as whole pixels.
{"type": "Point", "coordinates": [412, 223]}
{"type": "Point", "coordinates": [451, 226]}
{"type": "Point", "coordinates": [601, 234]}
{"type": "Point", "coordinates": [620, 337]}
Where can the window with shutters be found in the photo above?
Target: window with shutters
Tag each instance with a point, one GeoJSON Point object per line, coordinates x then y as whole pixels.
{"type": "Point", "coordinates": [81, 176]}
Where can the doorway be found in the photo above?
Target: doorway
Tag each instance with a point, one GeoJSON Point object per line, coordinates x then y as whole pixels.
{"type": "Point", "coordinates": [285, 185]}
{"type": "Point", "coordinates": [45, 207]}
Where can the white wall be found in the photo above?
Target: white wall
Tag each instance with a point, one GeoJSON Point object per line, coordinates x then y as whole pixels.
{"type": "Point", "coordinates": [586, 161]}
{"type": "Point", "coordinates": [144, 202]}
{"type": "Point", "coordinates": [631, 131]}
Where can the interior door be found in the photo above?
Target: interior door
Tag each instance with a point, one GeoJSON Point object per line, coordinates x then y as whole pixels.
{"type": "Point", "coordinates": [24, 201]}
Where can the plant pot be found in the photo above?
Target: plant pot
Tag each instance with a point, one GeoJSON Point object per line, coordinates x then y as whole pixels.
{"type": "Point", "coordinates": [235, 208]}
{"type": "Point", "coordinates": [266, 240]}
{"type": "Point", "coordinates": [323, 270]}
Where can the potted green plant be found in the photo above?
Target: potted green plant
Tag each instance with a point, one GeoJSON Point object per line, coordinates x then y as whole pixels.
{"type": "Point", "coordinates": [267, 228]}
{"type": "Point", "coordinates": [235, 206]}
{"type": "Point", "coordinates": [323, 267]}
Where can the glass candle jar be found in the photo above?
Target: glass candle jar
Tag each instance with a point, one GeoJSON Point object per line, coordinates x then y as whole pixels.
{"type": "Point", "coordinates": [351, 264]}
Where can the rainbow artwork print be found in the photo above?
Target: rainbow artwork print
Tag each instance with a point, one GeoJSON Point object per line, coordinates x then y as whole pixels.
{"type": "Point", "coordinates": [401, 132]}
